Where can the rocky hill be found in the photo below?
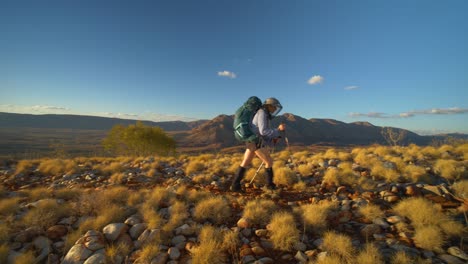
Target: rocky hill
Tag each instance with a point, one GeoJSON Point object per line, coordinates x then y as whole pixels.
{"type": "Point", "coordinates": [25, 133]}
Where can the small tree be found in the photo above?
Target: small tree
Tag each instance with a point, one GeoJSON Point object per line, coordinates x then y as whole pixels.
{"type": "Point", "coordinates": [393, 136]}
{"type": "Point", "coordinates": [138, 140]}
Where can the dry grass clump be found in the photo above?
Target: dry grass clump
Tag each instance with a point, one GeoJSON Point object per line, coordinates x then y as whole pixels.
{"type": "Point", "coordinates": [57, 166]}
{"type": "Point", "coordinates": [68, 194]}
{"type": "Point", "coordinates": [112, 214]}
{"type": "Point", "coordinates": [208, 251]}
{"type": "Point", "coordinates": [25, 258]}
{"type": "Point", "coordinates": [38, 193]}
{"type": "Point", "coordinates": [428, 220]}
{"type": "Point", "coordinates": [383, 151]}
{"type": "Point", "coordinates": [461, 189]}
{"type": "Point", "coordinates": [284, 176]}
{"type": "Point", "coordinates": [338, 245]}
{"type": "Point", "coordinates": [431, 152]}
{"type": "Point", "coordinates": [47, 213]}
{"type": "Point", "coordinates": [109, 167]}
{"type": "Point", "coordinates": [117, 178]}
{"type": "Point", "coordinates": [371, 212]}
{"type": "Point", "coordinates": [343, 175]}
{"type": "Point", "coordinates": [116, 253]}
{"type": "Point", "coordinates": [178, 213]}
{"type": "Point", "coordinates": [148, 252]}
{"type": "Point", "coordinates": [259, 212]}
{"type": "Point", "coordinates": [315, 215]}
{"type": "Point", "coordinates": [284, 234]}
{"type": "Point", "coordinates": [305, 169]}
{"type": "Point", "coordinates": [9, 206]}
{"type": "Point", "coordinates": [26, 165]}
{"type": "Point", "coordinates": [416, 173]}
{"type": "Point", "coordinates": [379, 171]}
{"type": "Point", "coordinates": [300, 186]}
{"type": "Point", "coordinates": [369, 255]}
{"type": "Point", "coordinates": [429, 238]}
{"type": "Point", "coordinates": [194, 166]}
{"type": "Point", "coordinates": [450, 169]}
{"type": "Point", "coordinates": [401, 257]}
{"type": "Point", "coordinates": [214, 209]}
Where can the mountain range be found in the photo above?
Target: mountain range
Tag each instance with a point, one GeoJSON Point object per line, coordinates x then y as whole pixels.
{"type": "Point", "coordinates": [24, 132]}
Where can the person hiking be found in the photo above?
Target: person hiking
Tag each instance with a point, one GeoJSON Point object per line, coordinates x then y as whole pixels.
{"type": "Point", "coordinates": [266, 137]}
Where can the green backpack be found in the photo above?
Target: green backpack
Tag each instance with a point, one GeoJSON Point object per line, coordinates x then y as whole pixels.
{"type": "Point", "coordinates": [243, 119]}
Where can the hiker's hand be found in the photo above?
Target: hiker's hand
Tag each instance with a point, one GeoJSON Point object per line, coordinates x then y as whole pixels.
{"type": "Point", "coordinates": [275, 140]}
{"type": "Point", "coordinates": [282, 127]}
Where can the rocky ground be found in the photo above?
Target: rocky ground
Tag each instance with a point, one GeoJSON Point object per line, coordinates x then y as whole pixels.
{"type": "Point", "coordinates": [48, 244]}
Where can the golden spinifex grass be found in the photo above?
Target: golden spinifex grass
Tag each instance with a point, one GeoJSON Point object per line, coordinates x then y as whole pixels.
{"type": "Point", "coordinates": [214, 209]}
{"type": "Point", "coordinates": [284, 233]}
{"type": "Point", "coordinates": [429, 222]}
{"type": "Point", "coordinates": [209, 250]}
{"type": "Point", "coordinates": [371, 212]}
{"type": "Point", "coordinates": [315, 215]}
{"type": "Point", "coordinates": [339, 245]}
{"type": "Point", "coordinates": [259, 212]}
{"type": "Point", "coordinates": [370, 254]}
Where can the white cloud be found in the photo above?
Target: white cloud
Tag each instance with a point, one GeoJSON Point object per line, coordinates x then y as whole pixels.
{"type": "Point", "coordinates": [353, 87]}
{"type": "Point", "coordinates": [433, 111]}
{"type": "Point", "coordinates": [227, 74]}
{"type": "Point", "coordinates": [316, 79]}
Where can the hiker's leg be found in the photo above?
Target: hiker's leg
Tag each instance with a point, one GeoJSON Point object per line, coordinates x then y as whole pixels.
{"type": "Point", "coordinates": [264, 155]}
{"type": "Point", "coordinates": [248, 156]}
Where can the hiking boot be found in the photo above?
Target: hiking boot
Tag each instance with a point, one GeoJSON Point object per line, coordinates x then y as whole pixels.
{"type": "Point", "coordinates": [271, 187]}
{"type": "Point", "coordinates": [236, 188]}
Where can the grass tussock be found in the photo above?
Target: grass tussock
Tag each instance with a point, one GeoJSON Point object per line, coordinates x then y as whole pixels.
{"type": "Point", "coordinates": [429, 238]}
{"type": "Point", "coordinates": [24, 166]}
{"type": "Point", "coordinates": [460, 189]}
{"type": "Point", "coordinates": [305, 169]}
{"type": "Point", "coordinates": [148, 252]}
{"type": "Point", "coordinates": [401, 257]}
{"type": "Point", "coordinates": [214, 209]}
{"type": "Point", "coordinates": [194, 166]}
{"type": "Point", "coordinates": [208, 251]}
{"type": "Point", "coordinates": [112, 214]}
{"type": "Point", "coordinates": [284, 233]}
{"type": "Point", "coordinates": [47, 213]}
{"type": "Point", "coordinates": [451, 170]}
{"type": "Point", "coordinates": [25, 258]}
{"type": "Point", "coordinates": [369, 255]}
{"type": "Point", "coordinates": [338, 245]}
{"type": "Point", "coordinates": [178, 214]}
{"type": "Point", "coordinates": [9, 206]}
{"type": "Point", "coordinates": [371, 212]}
{"type": "Point", "coordinates": [428, 218]}
{"type": "Point", "coordinates": [57, 166]}
{"type": "Point", "coordinates": [284, 176]}
{"type": "Point", "coordinates": [315, 215]}
{"type": "Point", "coordinates": [115, 253]}
{"type": "Point", "coordinates": [259, 212]}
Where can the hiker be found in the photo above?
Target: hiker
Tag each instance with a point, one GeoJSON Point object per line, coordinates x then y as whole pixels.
{"type": "Point", "coordinates": [266, 137]}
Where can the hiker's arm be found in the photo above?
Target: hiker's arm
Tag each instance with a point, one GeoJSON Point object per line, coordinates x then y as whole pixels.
{"type": "Point", "coordinates": [263, 128]}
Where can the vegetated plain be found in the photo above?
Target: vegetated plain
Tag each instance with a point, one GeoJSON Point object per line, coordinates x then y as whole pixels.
{"type": "Point", "coordinates": [374, 204]}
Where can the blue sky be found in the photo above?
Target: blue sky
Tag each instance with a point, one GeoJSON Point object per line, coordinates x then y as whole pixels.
{"type": "Point", "coordinates": [391, 63]}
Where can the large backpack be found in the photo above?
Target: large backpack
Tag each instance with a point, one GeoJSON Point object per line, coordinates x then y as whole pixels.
{"type": "Point", "coordinates": [243, 119]}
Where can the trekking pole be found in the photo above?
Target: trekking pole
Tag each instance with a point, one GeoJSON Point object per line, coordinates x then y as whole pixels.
{"type": "Point", "coordinates": [259, 168]}
{"type": "Point", "coordinates": [290, 155]}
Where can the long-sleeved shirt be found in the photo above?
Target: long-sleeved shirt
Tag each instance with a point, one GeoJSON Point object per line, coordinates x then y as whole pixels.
{"type": "Point", "coordinates": [261, 126]}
